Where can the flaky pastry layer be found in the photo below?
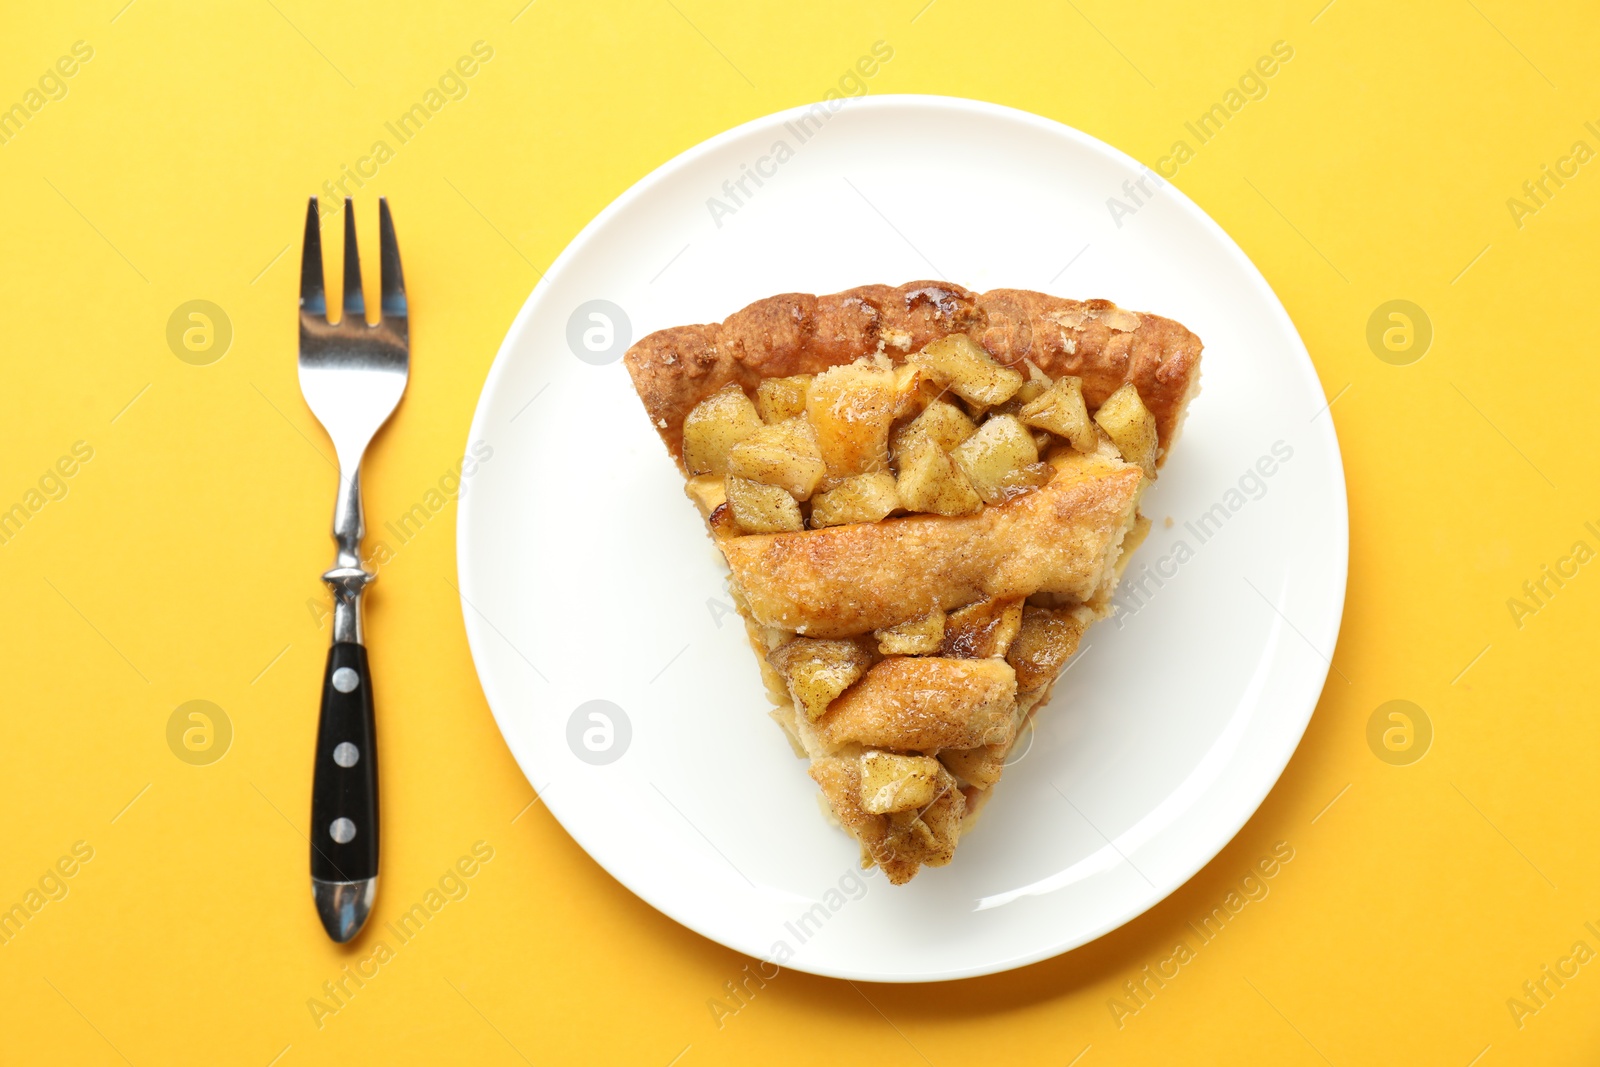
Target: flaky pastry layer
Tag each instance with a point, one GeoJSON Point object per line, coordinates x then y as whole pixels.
{"type": "Point", "coordinates": [1063, 538]}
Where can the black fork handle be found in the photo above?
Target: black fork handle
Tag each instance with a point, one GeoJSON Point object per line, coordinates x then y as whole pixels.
{"type": "Point", "coordinates": [344, 792]}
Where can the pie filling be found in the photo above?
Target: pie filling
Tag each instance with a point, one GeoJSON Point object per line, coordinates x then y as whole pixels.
{"type": "Point", "coordinates": [917, 549]}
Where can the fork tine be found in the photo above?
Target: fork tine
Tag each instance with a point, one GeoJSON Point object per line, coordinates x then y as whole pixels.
{"type": "Point", "coordinates": [313, 301]}
{"type": "Point", "coordinates": [393, 300]}
{"type": "Point", "coordinates": [354, 305]}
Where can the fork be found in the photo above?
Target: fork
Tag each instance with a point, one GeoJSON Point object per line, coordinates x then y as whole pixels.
{"type": "Point", "coordinates": [352, 376]}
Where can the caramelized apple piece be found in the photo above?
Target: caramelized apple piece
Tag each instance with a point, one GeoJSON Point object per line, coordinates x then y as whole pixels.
{"type": "Point", "coordinates": [983, 629]}
{"type": "Point", "coordinates": [981, 766]}
{"type": "Point", "coordinates": [851, 408]}
{"type": "Point", "coordinates": [1025, 478]}
{"type": "Point", "coordinates": [781, 399]}
{"type": "Point", "coordinates": [816, 672]}
{"type": "Point", "coordinates": [864, 498]}
{"type": "Point", "coordinates": [1001, 445]}
{"type": "Point", "coordinates": [716, 424]}
{"type": "Point", "coordinates": [941, 422]}
{"type": "Point", "coordinates": [1061, 411]}
{"type": "Point", "coordinates": [930, 481]}
{"type": "Point", "coordinates": [1045, 641]}
{"type": "Point", "coordinates": [917, 637]}
{"type": "Point", "coordinates": [934, 831]}
{"type": "Point", "coordinates": [758, 508]}
{"type": "Point", "coordinates": [1030, 390]}
{"type": "Point", "coordinates": [891, 782]}
{"type": "Point", "coordinates": [913, 390]}
{"type": "Point", "coordinates": [784, 454]}
{"type": "Point", "coordinates": [957, 363]}
{"type": "Point", "coordinates": [1130, 426]}
{"type": "Point", "coordinates": [901, 841]}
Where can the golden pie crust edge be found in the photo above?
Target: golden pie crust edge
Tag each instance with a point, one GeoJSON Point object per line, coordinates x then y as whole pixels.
{"type": "Point", "coordinates": [798, 333]}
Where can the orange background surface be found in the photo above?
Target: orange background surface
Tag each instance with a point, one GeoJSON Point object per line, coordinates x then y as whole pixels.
{"type": "Point", "coordinates": [180, 562]}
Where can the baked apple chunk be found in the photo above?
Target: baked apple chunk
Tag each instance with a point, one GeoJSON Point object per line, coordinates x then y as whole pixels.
{"type": "Point", "coordinates": [924, 496]}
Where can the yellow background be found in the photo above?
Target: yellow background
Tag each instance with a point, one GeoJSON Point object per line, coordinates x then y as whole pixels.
{"type": "Point", "coordinates": [182, 560]}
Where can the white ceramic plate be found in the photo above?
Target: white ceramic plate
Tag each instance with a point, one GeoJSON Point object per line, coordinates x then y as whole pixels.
{"type": "Point", "coordinates": [590, 588]}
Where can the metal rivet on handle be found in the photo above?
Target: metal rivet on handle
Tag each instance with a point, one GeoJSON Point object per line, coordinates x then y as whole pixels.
{"type": "Point", "coordinates": [342, 830]}
{"type": "Point", "coordinates": [345, 680]}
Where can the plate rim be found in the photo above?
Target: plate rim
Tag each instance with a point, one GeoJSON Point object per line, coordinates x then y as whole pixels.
{"type": "Point", "coordinates": [1304, 366]}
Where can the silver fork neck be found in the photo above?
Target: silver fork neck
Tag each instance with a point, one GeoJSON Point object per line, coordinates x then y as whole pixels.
{"type": "Point", "coordinates": [348, 578]}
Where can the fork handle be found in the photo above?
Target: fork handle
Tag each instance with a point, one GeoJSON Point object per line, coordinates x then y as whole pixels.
{"type": "Point", "coordinates": [344, 794]}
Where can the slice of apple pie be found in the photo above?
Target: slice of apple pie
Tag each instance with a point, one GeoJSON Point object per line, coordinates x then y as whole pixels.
{"type": "Point", "coordinates": [924, 496]}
